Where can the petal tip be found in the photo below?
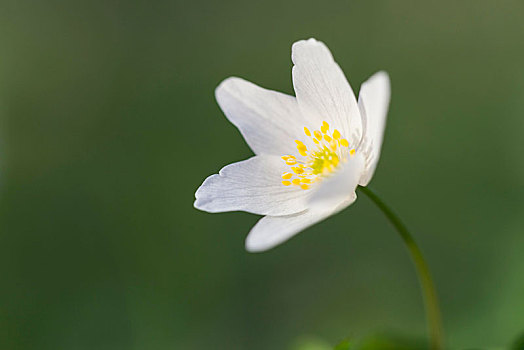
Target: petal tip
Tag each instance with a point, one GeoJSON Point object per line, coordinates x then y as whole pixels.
{"type": "Point", "coordinates": [303, 48]}
{"type": "Point", "coordinates": [226, 84]}
{"type": "Point", "coordinates": [265, 235]}
{"type": "Point", "coordinates": [381, 79]}
{"type": "Point", "coordinates": [197, 205]}
{"type": "Point", "coordinates": [310, 41]}
{"type": "Point", "coordinates": [200, 204]}
{"type": "Point", "coordinates": [202, 199]}
{"type": "Point", "coordinates": [253, 246]}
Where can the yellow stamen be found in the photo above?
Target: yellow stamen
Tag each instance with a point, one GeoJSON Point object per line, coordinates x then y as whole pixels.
{"type": "Point", "coordinates": [324, 128]}
{"type": "Point", "coordinates": [307, 132]}
{"type": "Point", "coordinates": [297, 170]}
{"type": "Point", "coordinates": [302, 149]}
{"type": "Point", "coordinates": [319, 160]}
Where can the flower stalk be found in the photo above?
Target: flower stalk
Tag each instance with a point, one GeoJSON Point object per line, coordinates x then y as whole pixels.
{"type": "Point", "coordinates": [426, 282]}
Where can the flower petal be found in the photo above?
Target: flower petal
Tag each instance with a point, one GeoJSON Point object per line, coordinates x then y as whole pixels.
{"type": "Point", "coordinates": [253, 185]}
{"type": "Point", "coordinates": [270, 231]}
{"type": "Point", "coordinates": [268, 120]}
{"type": "Point", "coordinates": [373, 101]}
{"type": "Point", "coordinates": [340, 186]}
{"type": "Point", "coordinates": [323, 91]}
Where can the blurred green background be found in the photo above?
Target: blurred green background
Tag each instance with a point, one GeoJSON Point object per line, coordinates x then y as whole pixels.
{"type": "Point", "coordinates": [108, 125]}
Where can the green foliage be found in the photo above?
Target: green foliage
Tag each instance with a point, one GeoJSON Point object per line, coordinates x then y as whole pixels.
{"type": "Point", "coordinates": [519, 343]}
{"type": "Point", "coordinates": [383, 342]}
{"type": "Point", "coordinates": [310, 343]}
{"type": "Point", "coordinates": [344, 345]}
{"type": "Point", "coordinates": [389, 344]}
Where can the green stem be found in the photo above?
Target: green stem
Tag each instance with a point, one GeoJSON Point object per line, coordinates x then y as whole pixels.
{"type": "Point", "coordinates": [428, 288]}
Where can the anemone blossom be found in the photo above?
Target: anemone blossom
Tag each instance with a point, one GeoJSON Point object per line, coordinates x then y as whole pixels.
{"type": "Point", "coordinates": [311, 151]}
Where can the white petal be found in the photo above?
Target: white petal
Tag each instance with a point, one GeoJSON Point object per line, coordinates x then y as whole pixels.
{"type": "Point", "coordinates": [323, 91]}
{"type": "Point", "coordinates": [270, 231]}
{"type": "Point", "coordinates": [269, 121]}
{"type": "Point", "coordinates": [253, 185]}
{"type": "Point", "coordinates": [340, 186]}
{"type": "Point", "coordinates": [373, 101]}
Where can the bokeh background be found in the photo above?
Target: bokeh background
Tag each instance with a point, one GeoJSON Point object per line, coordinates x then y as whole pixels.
{"type": "Point", "coordinates": [108, 125]}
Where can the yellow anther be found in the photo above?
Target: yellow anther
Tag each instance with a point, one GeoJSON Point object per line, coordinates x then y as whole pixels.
{"type": "Point", "coordinates": [297, 170]}
{"type": "Point", "coordinates": [319, 160]}
{"type": "Point", "coordinates": [287, 157]}
{"type": "Point", "coordinates": [324, 128]}
{"type": "Point", "coordinates": [307, 132]}
{"type": "Point", "coordinates": [302, 149]}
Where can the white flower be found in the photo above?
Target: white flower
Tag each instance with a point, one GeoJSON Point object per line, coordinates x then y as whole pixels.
{"type": "Point", "coordinates": [311, 150]}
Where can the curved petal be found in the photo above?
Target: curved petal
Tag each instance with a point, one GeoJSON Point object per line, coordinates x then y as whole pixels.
{"type": "Point", "coordinates": [373, 102]}
{"type": "Point", "coordinates": [322, 90]}
{"type": "Point", "coordinates": [268, 120]}
{"type": "Point", "coordinates": [253, 185]}
{"type": "Point", "coordinates": [340, 186]}
{"type": "Point", "coordinates": [270, 231]}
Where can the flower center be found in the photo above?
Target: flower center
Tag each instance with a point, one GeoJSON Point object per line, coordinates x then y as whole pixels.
{"type": "Point", "coordinates": [320, 160]}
